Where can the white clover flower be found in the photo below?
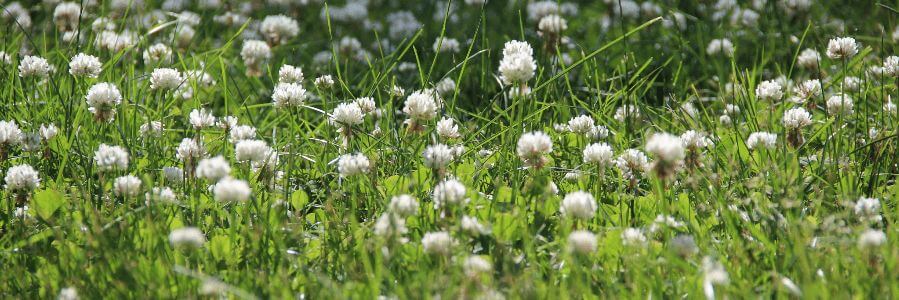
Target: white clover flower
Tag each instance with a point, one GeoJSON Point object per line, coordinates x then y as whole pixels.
{"type": "Point", "coordinates": [127, 186]}
{"type": "Point", "coordinates": [582, 124]}
{"type": "Point", "coordinates": [31, 142]}
{"type": "Point", "coordinates": [720, 46]}
{"type": "Point", "coordinates": [21, 179]}
{"type": "Point", "coordinates": [745, 17]}
{"type": "Point", "coordinates": [173, 174]}
{"type": "Point", "coordinates": [808, 59]}
{"type": "Point", "coordinates": [187, 237]}
{"type": "Point", "coordinates": [532, 146]}
{"type": "Point", "coordinates": [289, 95]}
{"type": "Point", "coordinates": [471, 226]}
{"type": "Point", "coordinates": [201, 118]}
{"type": "Point", "coordinates": [366, 104]}
{"type": "Point", "coordinates": [552, 24]}
{"type": "Point", "coordinates": [254, 53]}
{"type": "Point", "coordinates": [598, 132]}
{"type": "Point", "coordinates": [666, 147]}
{"type": "Point", "coordinates": [213, 169]}
{"type": "Point", "coordinates": [5, 58]}
{"type": "Point", "coordinates": [627, 112]}
{"type": "Point", "coordinates": [632, 162]}
{"type": "Point", "coordinates": [598, 153]}
{"type": "Point", "coordinates": [871, 238]}
{"type": "Point", "coordinates": [66, 16]}
{"type": "Point", "coordinates": [842, 48]}
{"type": "Point", "coordinates": [513, 47]}
{"type": "Point", "coordinates": [448, 192]}
{"type": "Point", "coordinates": [165, 78]}
{"type": "Point", "coordinates": [151, 129]}
{"type": "Point", "coordinates": [627, 9]}
{"type": "Point", "coordinates": [517, 65]}
{"type": "Point", "coordinates": [852, 83]}
{"type": "Point", "coordinates": [582, 242]}
{"type": "Point", "coordinates": [476, 265]}
{"type": "Point", "coordinates": [349, 45]}
{"type": "Point", "coordinates": [200, 77]}
{"type": "Point", "coordinates": [290, 74]}
{"type": "Point", "coordinates": [438, 243]}
{"type": "Point", "coordinates": [324, 82]}
{"type": "Point", "coordinates": [397, 91]}
{"type": "Point", "coordinates": [353, 164]}
{"type": "Point", "coordinates": [157, 54]}
{"type": "Point", "coordinates": [538, 9]}
{"type": "Point", "coordinates": [868, 208]}
{"type": "Point", "coordinates": [796, 118]}
{"type": "Point", "coordinates": [446, 45]}
{"type": "Point", "coordinates": [85, 65]}
{"type": "Point", "coordinates": [437, 156]}
{"type": "Point", "coordinates": [445, 86]}
{"type": "Point", "coordinates": [111, 158]}
{"type": "Point", "coordinates": [231, 190]}
{"type": "Point", "coordinates": [403, 24]}
{"type": "Point", "coordinates": [809, 89]}
{"type": "Point", "coordinates": [447, 129]}
{"type": "Point", "coordinates": [403, 205]}
{"type": "Point", "coordinates": [16, 14]}
{"type": "Point", "coordinates": [732, 109]}
{"type": "Point", "coordinates": [279, 28]}
{"type": "Point", "coordinates": [268, 164]}
{"type": "Point", "coordinates": [161, 194]}
{"type": "Point", "coordinates": [695, 140]}
{"type": "Point", "coordinates": [725, 119]}
{"type": "Point", "coordinates": [891, 66]}
{"type": "Point", "coordinates": [761, 140]}
{"type": "Point", "coordinates": [770, 90]}
{"type": "Point", "coordinates": [242, 132]}
{"type": "Point", "coordinates": [10, 134]}
{"type": "Point", "coordinates": [389, 224]}
{"type": "Point", "coordinates": [347, 114]}
{"type": "Point", "coordinates": [183, 35]}
{"type": "Point", "coordinates": [573, 176]}
{"type": "Point", "coordinates": [116, 42]}
{"type": "Point", "coordinates": [421, 105]}
{"type": "Point", "coordinates": [839, 104]}
{"type": "Point", "coordinates": [187, 18]}
{"type": "Point", "coordinates": [633, 237]}
{"type": "Point", "coordinates": [226, 122]}
{"type": "Point", "coordinates": [579, 205]}
{"type": "Point", "coordinates": [251, 151]}
{"type": "Point", "coordinates": [713, 274]}
{"type": "Point", "coordinates": [34, 66]}
{"type": "Point", "coordinates": [875, 72]}
{"type": "Point", "coordinates": [47, 132]}
{"type": "Point", "coordinates": [189, 150]}
{"type": "Point", "coordinates": [103, 96]}
{"type": "Point", "coordinates": [68, 293]}
{"type": "Point", "coordinates": [458, 150]}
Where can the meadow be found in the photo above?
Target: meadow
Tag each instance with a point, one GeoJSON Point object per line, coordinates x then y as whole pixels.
{"type": "Point", "coordinates": [448, 149]}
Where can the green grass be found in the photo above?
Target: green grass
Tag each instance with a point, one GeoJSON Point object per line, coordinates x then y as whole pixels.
{"type": "Point", "coordinates": [767, 215]}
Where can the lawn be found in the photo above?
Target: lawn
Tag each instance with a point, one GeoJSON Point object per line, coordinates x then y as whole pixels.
{"type": "Point", "coordinates": [449, 149]}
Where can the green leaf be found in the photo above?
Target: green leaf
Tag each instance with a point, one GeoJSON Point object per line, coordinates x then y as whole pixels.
{"type": "Point", "coordinates": [395, 184]}
{"type": "Point", "coordinates": [220, 248]}
{"type": "Point", "coordinates": [503, 195]}
{"type": "Point", "coordinates": [47, 202]}
{"type": "Point", "coordinates": [299, 199]}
